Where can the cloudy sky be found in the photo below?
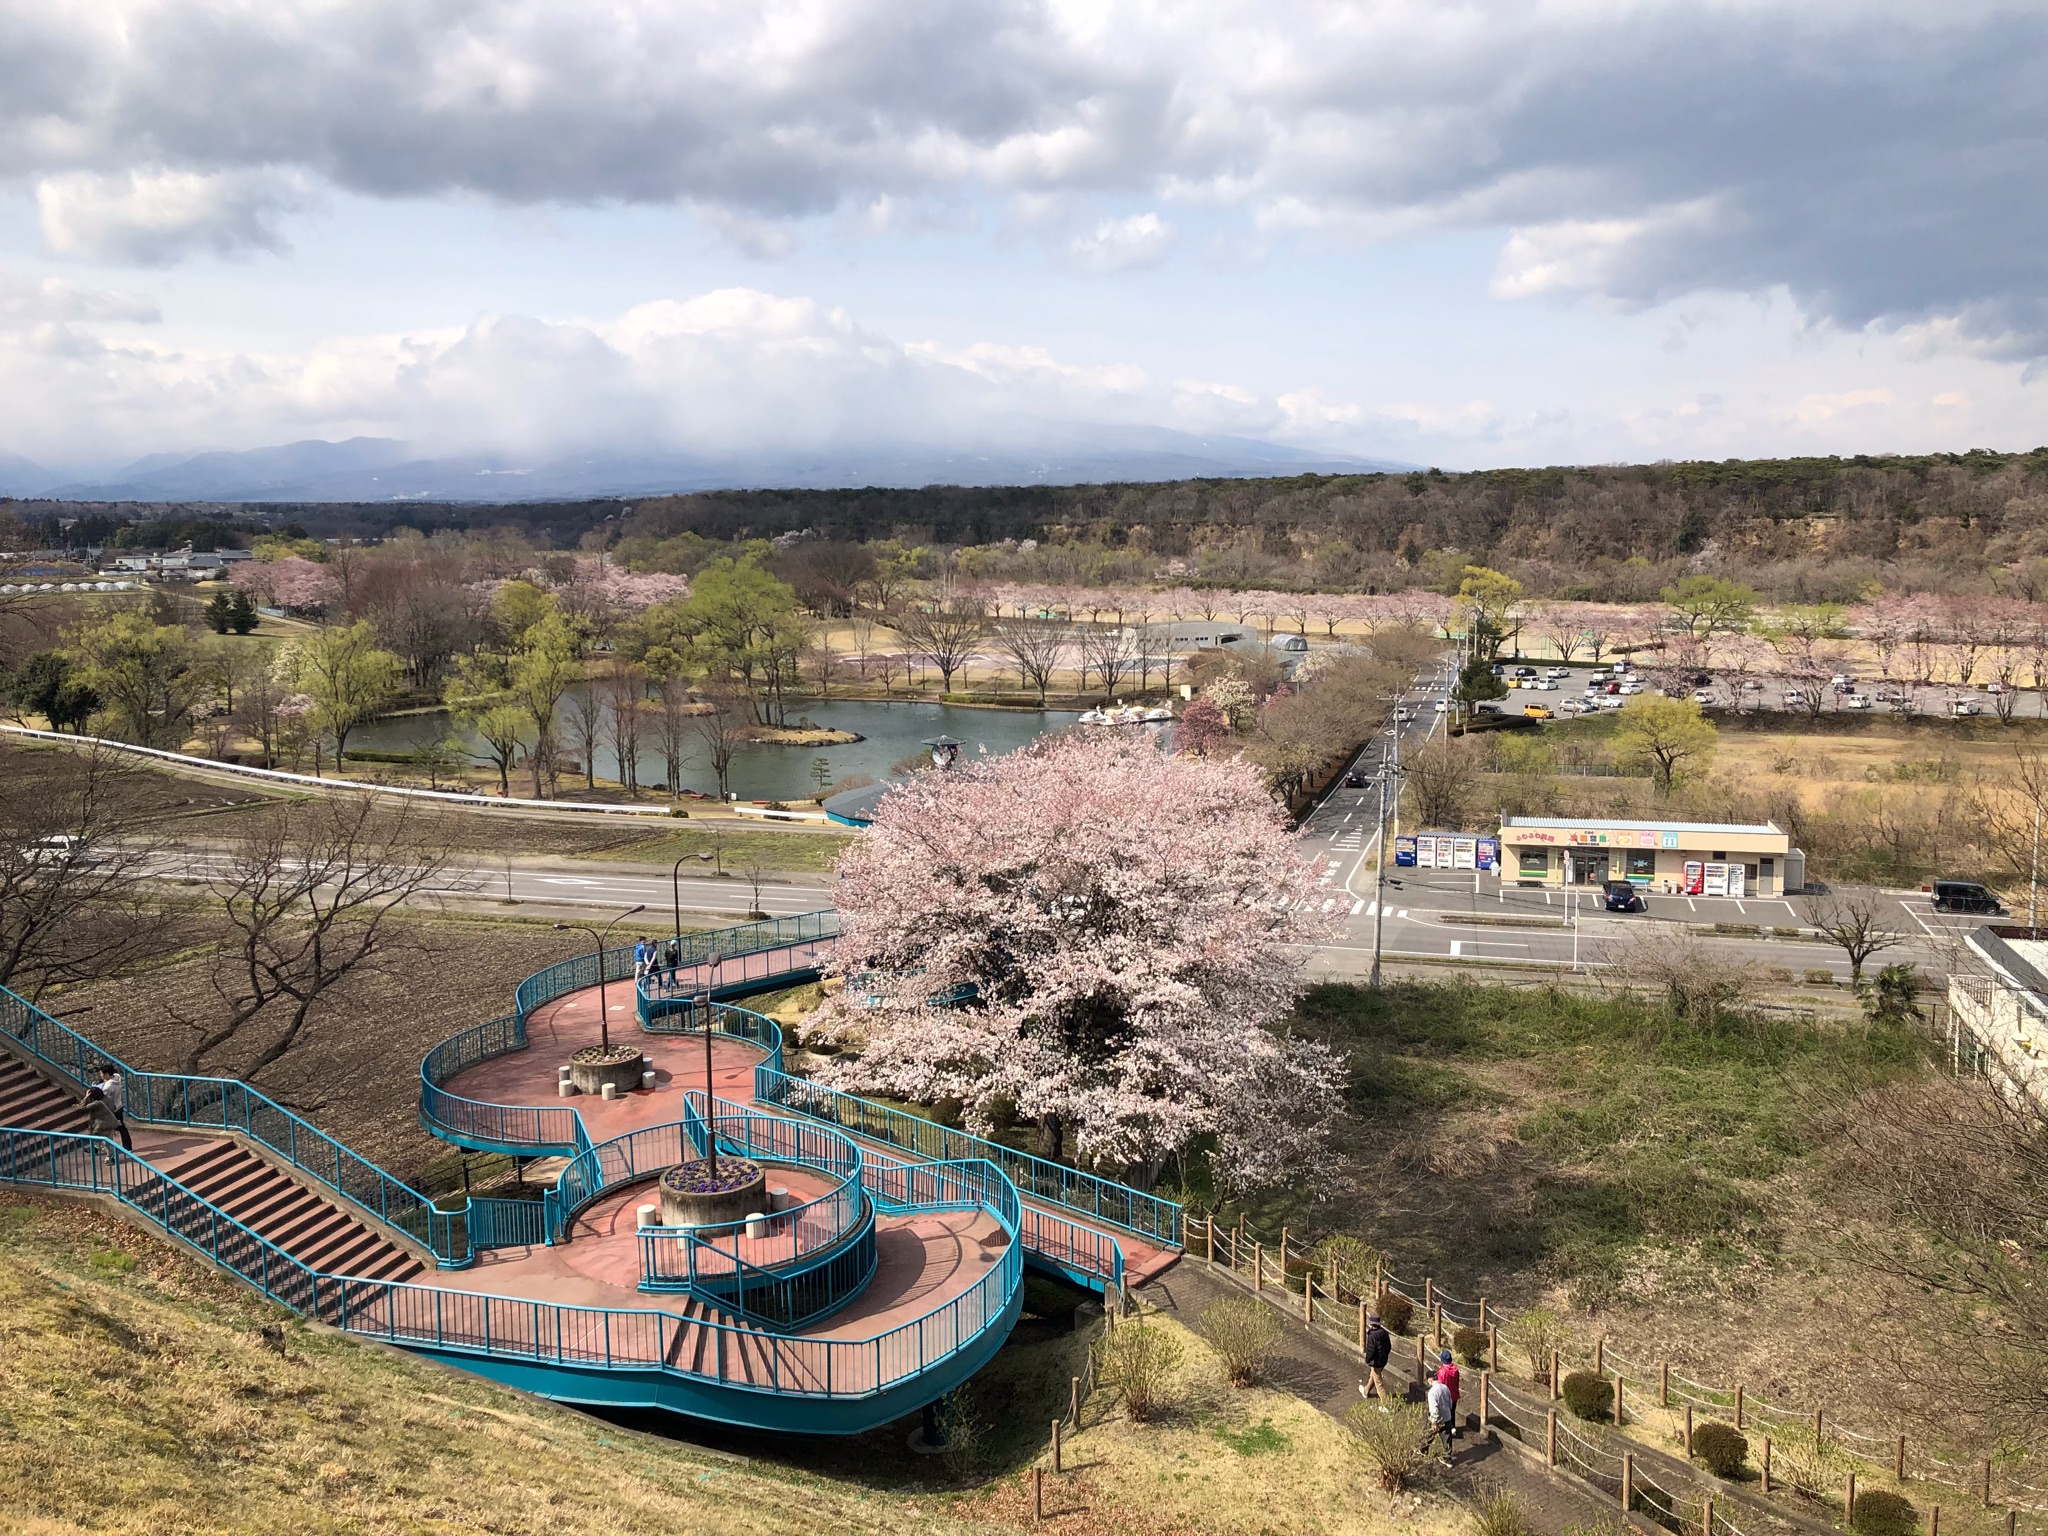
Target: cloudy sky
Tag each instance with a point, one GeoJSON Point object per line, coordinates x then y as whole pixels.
{"type": "Point", "coordinates": [1477, 234]}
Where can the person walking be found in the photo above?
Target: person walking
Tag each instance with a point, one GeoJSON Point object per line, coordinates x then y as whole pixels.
{"type": "Point", "coordinates": [673, 958]}
{"type": "Point", "coordinates": [1443, 1418]}
{"type": "Point", "coordinates": [113, 1088]}
{"type": "Point", "coordinates": [639, 960]}
{"type": "Point", "coordinates": [1447, 1373]}
{"type": "Point", "coordinates": [1379, 1349]}
{"type": "Point", "coordinates": [100, 1119]}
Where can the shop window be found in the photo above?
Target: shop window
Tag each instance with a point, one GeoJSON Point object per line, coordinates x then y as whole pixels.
{"type": "Point", "coordinates": [1534, 861]}
{"type": "Point", "coordinates": [1642, 865]}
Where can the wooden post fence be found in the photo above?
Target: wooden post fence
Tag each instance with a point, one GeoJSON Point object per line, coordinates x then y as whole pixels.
{"type": "Point", "coordinates": [1422, 1352]}
{"type": "Point", "coordinates": [1987, 1482]}
{"type": "Point", "coordinates": [1550, 1439]}
{"type": "Point", "coordinates": [1493, 1348]}
{"type": "Point", "coordinates": [1379, 1278]}
{"type": "Point", "coordinates": [1258, 1265]}
{"type": "Point", "coordinates": [1688, 1429]}
{"type": "Point", "coordinates": [1483, 1324]}
{"type": "Point", "coordinates": [1664, 1384]}
{"type": "Point", "coordinates": [1485, 1398]}
{"type": "Point", "coordinates": [1707, 1516]}
{"type": "Point", "coordinates": [1738, 1405]}
{"type": "Point", "coordinates": [1767, 1463]}
{"type": "Point", "coordinates": [2012, 1522]}
{"type": "Point", "coordinates": [1617, 1401]}
{"type": "Point", "coordinates": [1211, 1226]}
{"type": "Point", "coordinates": [1899, 1460]}
{"type": "Point", "coordinates": [1361, 1325]}
{"type": "Point", "coordinates": [1934, 1521]}
{"type": "Point", "coordinates": [1428, 1295]}
{"type": "Point", "coordinates": [1056, 1446]}
{"type": "Point", "coordinates": [1849, 1497]}
{"type": "Point", "coordinates": [1308, 1298]}
{"type": "Point", "coordinates": [1074, 1402]}
{"type": "Point", "coordinates": [1600, 1355]}
{"type": "Point", "coordinates": [1553, 1375]}
{"type": "Point", "coordinates": [1628, 1481]}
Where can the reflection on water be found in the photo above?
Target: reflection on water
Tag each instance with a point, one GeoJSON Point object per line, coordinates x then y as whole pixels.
{"type": "Point", "coordinates": [892, 732]}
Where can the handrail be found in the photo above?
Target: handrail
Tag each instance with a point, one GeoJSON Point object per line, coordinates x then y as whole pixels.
{"type": "Point", "coordinates": [1143, 1215]}
{"type": "Point", "coordinates": [226, 1104]}
{"type": "Point", "coordinates": [727, 1019]}
{"type": "Point", "coordinates": [744, 939]}
{"type": "Point", "coordinates": [425, 1316]}
{"type": "Point", "coordinates": [529, 1128]}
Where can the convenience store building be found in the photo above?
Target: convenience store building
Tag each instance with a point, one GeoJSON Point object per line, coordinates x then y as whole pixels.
{"type": "Point", "coordinates": [1683, 858]}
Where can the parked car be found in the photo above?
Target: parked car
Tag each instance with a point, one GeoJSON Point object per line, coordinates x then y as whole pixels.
{"type": "Point", "coordinates": [1965, 896]}
{"type": "Point", "coordinates": [1703, 696]}
{"type": "Point", "coordinates": [1559, 672]}
{"type": "Point", "coordinates": [1525, 671]}
{"type": "Point", "coordinates": [1620, 667]}
{"type": "Point", "coordinates": [1572, 706]}
{"type": "Point", "coordinates": [1621, 896]}
{"type": "Point", "coordinates": [1752, 686]}
{"type": "Point", "coordinates": [1546, 684]}
{"type": "Point", "coordinates": [1610, 687]}
{"type": "Point", "coordinates": [1631, 687]}
{"type": "Point", "coordinates": [1960, 707]}
{"type": "Point", "coordinates": [1606, 701]}
{"type": "Point", "coordinates": [1994, 689]}
{"type": "Point", "coordinates": [1841, 682]}
{"type": "Point", "coordinates": [1538, 712]}
{"type": "Point", "coordinates": [1794, 698]}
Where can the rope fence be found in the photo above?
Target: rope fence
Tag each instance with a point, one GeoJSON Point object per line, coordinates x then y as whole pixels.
{"type": "Point", "coordinates": [1803, 1451]}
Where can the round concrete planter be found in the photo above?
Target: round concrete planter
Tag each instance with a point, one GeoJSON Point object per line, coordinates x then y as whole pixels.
{"type": "Point", "coordinates": [593, 1067]}
{"type": "Point", "coordinates": [691, 1198]}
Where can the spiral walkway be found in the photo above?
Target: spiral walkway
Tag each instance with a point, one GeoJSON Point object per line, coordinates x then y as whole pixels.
{"type": "Point", "coordinates": [889, 1271]}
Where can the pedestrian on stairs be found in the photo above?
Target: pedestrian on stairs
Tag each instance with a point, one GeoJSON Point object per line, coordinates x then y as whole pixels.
{"type": "Point", "coordinates": [99, 1115]}
{"type": "Point", "coordinates": [1443, 1419]}
{"type": "Point", "coordinates": [113, 1088]}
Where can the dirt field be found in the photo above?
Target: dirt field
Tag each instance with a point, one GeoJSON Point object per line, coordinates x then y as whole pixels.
{"type": "Point", "coordinates": [355, 1072]}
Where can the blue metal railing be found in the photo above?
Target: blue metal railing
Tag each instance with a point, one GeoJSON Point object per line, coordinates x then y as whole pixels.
{"type": "Point", "coordinates": [501, 1127]}
{"type": "Point", "coordinates": [1086, 1194]}
{"type": "Point", "coordinates": [429, 1317]}
{"type": "Point", "coordinates": [678, 1016]}
{"type": "Point", "coordinates": [731, 944]}
{"type": "Point", "coordinates": [224, 1104]}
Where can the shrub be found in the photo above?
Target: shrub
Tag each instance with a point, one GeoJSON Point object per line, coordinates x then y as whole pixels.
{"type": "Point", "coordinates": [1348, 1261]}
{"type": "Point", "coordinates": [1142, 1361]}
{"type": "Point", "coordinates": [1723, 1447]}
{"type": "Point", "coordinates": [1884, 1514]}
{"type": "Point", "coordinates": [1395, 1310]}
{"type": "Point", "coordinates": [1243, 1332]}
{"type": "Point", "coordinates": [1498, 1514]}
{"type": "Point", "coordinates": [1540, 1331]}
{"type": "Point", "coordinates": [1820, 978]}
{"type": "Point", "coordinates": [1392, 1437]}
{"type": "Point", "coordinates": [1589, 1396]}
{"type": "Point", "coordinates": [1470, 1343]}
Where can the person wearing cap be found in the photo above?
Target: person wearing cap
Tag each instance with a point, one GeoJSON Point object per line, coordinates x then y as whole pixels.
{"type": "Point", "coordinates": [1447, 1373]}
{"type": "Point", "coordinates": [1379, 1348]}
{"type": "Point", "coordinates": [1443, 1418]}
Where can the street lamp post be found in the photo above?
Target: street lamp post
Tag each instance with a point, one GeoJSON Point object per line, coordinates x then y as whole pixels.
{"type": "Point", "coordinates": [604, 1016]}
{"type": "Point", "coordinates": [711, 962]}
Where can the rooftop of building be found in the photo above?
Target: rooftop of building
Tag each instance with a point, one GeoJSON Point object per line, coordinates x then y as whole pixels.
{"type": "Point", "coordinates": [1569, 823]}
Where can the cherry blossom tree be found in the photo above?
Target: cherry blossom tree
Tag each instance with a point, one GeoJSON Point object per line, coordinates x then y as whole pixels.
{"type": "Point", "coordinates": [1122, 920]}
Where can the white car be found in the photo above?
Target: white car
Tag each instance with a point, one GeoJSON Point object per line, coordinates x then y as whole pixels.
{"type": "Point", "coordinates": [1752, 686]}
{"type": "Point", "coordinates": [1607, 701]}
{"type": "Point", "coordinates": [1856, 701]}
{"type": "Point", "coordinates": [1547, 685]}
{"type": "Point", "coordinates": [1702, 696]}
{"type": "Point", "coordinates": [1442, 707]}
{"type": "Point", "coordinates": [1571, 706]}
{"type": "Point", "coordinates": [1841, 682]}
{"type": "Point", "coordinates": [1631, 686]}
{"type": "Point", "coordinates": [1559, 672]}
{"type": "Point", "coordinates": [1966, 707]}
{"type": "Point", "coordinates": [1794, 698]}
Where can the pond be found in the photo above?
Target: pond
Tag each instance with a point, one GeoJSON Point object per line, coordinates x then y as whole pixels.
{"type": "Point", "coordinates": [761, 771]}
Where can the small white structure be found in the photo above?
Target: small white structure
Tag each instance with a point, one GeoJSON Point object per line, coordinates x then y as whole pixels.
{"type": "Point", "coordinates": [2000, 1014]}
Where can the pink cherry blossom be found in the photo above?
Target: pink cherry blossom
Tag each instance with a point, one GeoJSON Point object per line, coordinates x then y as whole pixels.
{"type": "Point", "coordinates": [1129, 925]}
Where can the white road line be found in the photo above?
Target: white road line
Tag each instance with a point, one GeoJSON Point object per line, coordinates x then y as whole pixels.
{"type": "Point", "coordinates": [1457, 948]}
{"type": "Point", "coordinates": [1357, 907]}
{"type": "Point", "coordinates": [1402, 913]}
{"type": "Point", "coordinates": [1920, 920]}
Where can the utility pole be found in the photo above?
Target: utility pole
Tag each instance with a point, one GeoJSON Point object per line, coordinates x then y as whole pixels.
{"type": "Point", "coordinates": [2034, 879]}
{"type": "Point", "coordinates": [1379, 879]}
{"type": "Point", "coordinates": [1571, 901]}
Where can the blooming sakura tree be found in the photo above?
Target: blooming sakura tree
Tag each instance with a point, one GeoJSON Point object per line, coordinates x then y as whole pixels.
{"type": "Point", "coordinates": [1121, 918]}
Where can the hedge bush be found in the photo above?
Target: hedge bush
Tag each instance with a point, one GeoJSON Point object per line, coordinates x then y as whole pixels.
{"type": "Point", "coordinates": [1243, 1332]}
{"type": "Point", "coordinates": [1589, 1396]}
{"type": "Point", "coordinates": [1879, 1513]}
{"type": "Point", "coordinates": [1395, 1311]}
{"type": "Point", "coordinates": [1470, 1343]}
{"type": "Point", "coordinates": [1723, 1447]}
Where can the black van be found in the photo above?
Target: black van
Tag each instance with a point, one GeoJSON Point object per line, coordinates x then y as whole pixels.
{"type": "Point", "coordinates": [1964, 896]}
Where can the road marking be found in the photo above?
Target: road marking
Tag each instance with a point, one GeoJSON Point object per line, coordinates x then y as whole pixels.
{"type": "Point", "coordinates": [1457, 948]}
{"type": "Point", "coordinates": [564, 880]}
{"type": "Point", "coordinates": [1402, 913]}
{"type": "Point", "coordinates": [1359, 906]}
{"type": "Point", "coordinates": [1920, 920]}
{"type": "Point", "coordinates": [1329, 902]}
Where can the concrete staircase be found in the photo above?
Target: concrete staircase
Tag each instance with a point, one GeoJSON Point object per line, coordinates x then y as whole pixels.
{"type": "Point", "coordinates": [31, 1102]}
{"type": "Point", "coordinates": [319, 1234]}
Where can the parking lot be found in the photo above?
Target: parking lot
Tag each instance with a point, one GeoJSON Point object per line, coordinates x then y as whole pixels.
{"type": "Point", "coordinates": [1573, 689]}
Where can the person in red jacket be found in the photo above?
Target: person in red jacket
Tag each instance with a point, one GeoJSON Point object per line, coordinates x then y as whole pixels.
{"type": "Point", "coordinates": [1447, 1373]}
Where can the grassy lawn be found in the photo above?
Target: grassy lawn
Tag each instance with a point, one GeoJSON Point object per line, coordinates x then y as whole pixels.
{"type": "Point", "coordinates": [1509, 1138]}
{"type": "Point", "coordinates": [805, 852]}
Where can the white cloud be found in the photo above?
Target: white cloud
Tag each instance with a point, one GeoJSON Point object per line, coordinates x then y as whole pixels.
{"type": "Point", "coordinates": [37, 301]}
{"type": "Point", "coordinates": [1121, 245]}
{"type": "Point", "coordinates": [155, 217]}
{"type": "Point", "coordinates": [1879, 161]}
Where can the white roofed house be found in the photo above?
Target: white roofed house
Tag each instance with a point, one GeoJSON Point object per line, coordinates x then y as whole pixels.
{"type": "Point", "coordinates": [1998, 1014]}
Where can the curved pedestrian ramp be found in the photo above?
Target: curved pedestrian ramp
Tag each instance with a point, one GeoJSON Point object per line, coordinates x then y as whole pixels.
{"type": "Point", "coordinates": [889, 1269]}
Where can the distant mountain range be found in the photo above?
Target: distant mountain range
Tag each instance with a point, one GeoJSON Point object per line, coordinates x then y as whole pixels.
{"type": "Point", "coordinates": [366, 469]}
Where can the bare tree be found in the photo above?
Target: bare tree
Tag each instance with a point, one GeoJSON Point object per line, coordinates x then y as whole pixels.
{"type": "Point", "coordinates": [72, 862]}
{"type": "Point", "coordinates": [755, 876]}
{"type": "Point", "coordinates": [1701, 984]}
{"type": "Point", "coordinates": [1112, 650]}
{"type": "Point", "coordinates": [307, 898]}
{"type": "Point", "coordinates": [673, 729]}
{"type": "Point", "coordinates": [720, 729]}
{"type": "Point", "coordinates": [1858, 924]}
{"type": "Point", "coordinates": [622, 691]}
{"type": "Point", "coordinates": [1036, 647]}
{"type": "Point", "coordinates": [1439, 779]}
{"type": "Point", "coordinates": [585, 712]}
{"type": "Point", "coordinates": [944, 629]}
